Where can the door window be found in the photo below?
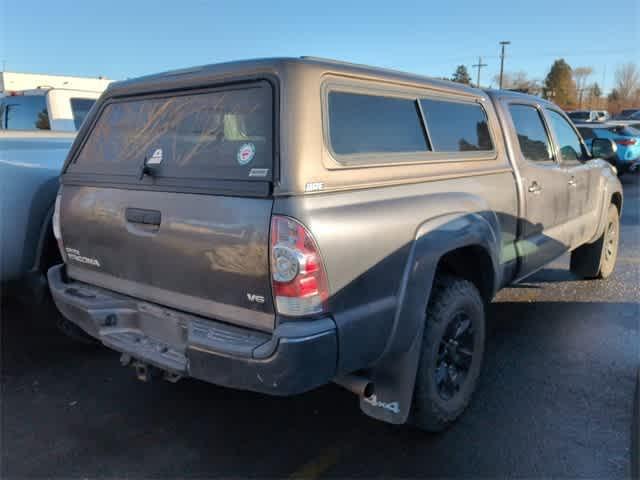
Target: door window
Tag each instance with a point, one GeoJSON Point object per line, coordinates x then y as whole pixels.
{"type": "Point", "coordinates": [532, 135]}
{"type": "Point", "coordinates": [80, 108]}
{"type": "Point", "coordinates": [587, 133]}
{"type": "Point", "coordinates": [568, 140]}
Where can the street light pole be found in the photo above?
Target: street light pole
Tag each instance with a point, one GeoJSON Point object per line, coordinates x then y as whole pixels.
{"type": "Point", "coordinates": [503, 43]}
{"type": "Point", "coordinates": [479, 65]}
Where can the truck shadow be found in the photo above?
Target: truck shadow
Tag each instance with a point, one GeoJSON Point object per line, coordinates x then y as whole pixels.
{"type": "Point", "coordinates": [554, 394]}
{"type": "Point", "coordinates": [549, 368]}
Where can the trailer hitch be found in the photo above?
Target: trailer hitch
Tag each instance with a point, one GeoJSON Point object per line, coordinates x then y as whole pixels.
{"type": "Point", "coordinates": [146, 372]}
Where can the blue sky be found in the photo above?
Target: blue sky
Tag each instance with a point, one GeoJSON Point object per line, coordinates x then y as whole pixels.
{"type": "Point", "coordinates": [128, 38]}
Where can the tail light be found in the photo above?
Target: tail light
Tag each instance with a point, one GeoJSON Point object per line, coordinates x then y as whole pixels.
{"type": "Point", "coordinates": [57, 232]}
{"type": "Point", "coordinates": [298, 277]}
{"type": "Point", "coordinates": [626, 141]}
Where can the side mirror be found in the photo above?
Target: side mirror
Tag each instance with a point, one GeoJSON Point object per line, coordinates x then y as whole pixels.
{"type": "Point", "coordinates": [604, 148]}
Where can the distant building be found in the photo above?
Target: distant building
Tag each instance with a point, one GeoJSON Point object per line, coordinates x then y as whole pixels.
{"type": "Point", "coordinates": [14, 81]}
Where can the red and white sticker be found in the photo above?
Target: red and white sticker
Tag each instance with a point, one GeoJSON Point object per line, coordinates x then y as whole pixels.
{"type": "Point", "coordinates": [246, 153]}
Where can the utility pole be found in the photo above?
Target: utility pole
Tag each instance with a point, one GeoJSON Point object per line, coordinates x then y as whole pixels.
{"type": "Point", "coordinates": [604, 78]}
{"type": "Point", "coordinates": [479, 65]}
{"type": "Point", "coordinates": [503, 43]}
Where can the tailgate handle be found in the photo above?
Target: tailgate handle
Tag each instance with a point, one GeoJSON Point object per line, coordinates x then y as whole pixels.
{"type": "Point", "coordinates": [140, 215]}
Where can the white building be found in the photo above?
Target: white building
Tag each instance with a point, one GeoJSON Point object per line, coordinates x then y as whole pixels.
{"type": "Point", "coordinates": [14, 81]}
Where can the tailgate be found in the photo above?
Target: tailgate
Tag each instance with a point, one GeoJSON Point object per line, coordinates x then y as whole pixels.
{"type": "Point", "coordinates": [190, 231]}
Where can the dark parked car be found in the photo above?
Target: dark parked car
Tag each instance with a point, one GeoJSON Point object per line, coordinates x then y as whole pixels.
{"type": "Point", "coordinates": [627, 114]}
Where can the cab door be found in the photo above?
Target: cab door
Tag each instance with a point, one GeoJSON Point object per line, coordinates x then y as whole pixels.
{"type": "Point", "coordinates": [543, 188]}
{"type": "Point", "coordinates": [582, 178]}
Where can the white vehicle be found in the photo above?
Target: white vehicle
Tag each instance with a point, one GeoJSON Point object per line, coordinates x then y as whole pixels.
{"type": "Point", "coordinates": [37, 128]}
{"type": "Point", "coordinates": [46, 102]}
{"type": "Point", "coordinates": [588, 115]}
{"type": "Point", "coordinates": [58, 110]}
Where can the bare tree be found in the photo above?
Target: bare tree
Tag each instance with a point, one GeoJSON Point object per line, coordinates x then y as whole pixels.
{"type": "Point", "coordinates": [519, 81]}
{"type": "Point", "coordinates": [594, 94]}
{"type": "Point", "coordinates": [581, 75]}
{"type": "Point", "coordinates": [627, 82]}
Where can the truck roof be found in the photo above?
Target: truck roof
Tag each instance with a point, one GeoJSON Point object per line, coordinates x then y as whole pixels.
{"type": "Point", "coordinates": [510, 94]}
{"type": "Point", "coordinates": [200, 74]}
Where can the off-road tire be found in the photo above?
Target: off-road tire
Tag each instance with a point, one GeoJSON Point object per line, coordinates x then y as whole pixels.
{"type": "Point", "coordinates": [598, 259]}
{"type": "Point", "coordinates": [451, 296]}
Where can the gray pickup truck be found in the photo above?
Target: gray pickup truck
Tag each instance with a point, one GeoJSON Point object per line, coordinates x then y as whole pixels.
{"type": "Point", "coordinates": [276, 225]}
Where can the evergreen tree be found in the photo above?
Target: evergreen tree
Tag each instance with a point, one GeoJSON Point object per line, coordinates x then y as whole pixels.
{"type": "Point", "coordinates": [461, 75]}
{"type": "Point", "coordinates": [559, 86]}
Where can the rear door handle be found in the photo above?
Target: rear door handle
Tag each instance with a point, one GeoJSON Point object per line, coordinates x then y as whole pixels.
{"type": "Point", "coordinates": [572, 182]}
{"type": "Point", "coordinates": [146, 217]}
{"type": "Point", "coordinates": [535, 187]}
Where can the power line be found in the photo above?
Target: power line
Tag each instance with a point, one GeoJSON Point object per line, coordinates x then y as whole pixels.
{"type": "Point", "coordinates": [479, 65]}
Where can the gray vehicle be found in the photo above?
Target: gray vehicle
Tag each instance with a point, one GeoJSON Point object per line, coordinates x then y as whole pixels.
{"type": "Point", "coordinates": [275, 225]}
{"type": "Point", "coordinates": [37, 128]}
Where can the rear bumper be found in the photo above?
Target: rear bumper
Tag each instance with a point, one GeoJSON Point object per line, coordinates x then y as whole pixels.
{"type": "Point", "coordinates": [295, 357]}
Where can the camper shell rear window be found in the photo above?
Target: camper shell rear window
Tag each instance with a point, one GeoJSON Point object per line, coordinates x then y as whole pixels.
{"type": "Point", "coordinates": [221, 134]}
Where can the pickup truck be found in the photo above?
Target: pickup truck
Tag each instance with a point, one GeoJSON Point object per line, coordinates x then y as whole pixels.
{"type": "Point", "coordinates": [276, 225]}
{"type": "Point", "coordinates": [37, 128]}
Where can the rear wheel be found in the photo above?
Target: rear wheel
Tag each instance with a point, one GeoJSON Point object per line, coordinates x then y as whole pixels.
{"type": "Point", "coordinates": [452, 352]}
{"type": "Point", "coordinates": [598, 259]}
{"type": "Point", "coordinates": [47, 308]}
{"type": "Point", "coordinates": [49, 312]}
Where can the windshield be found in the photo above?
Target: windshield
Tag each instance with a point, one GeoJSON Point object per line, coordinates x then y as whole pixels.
{"type": "Point", "coordinates": [222, 135]}
{"type": "Point", "coordinates": [579, 115]}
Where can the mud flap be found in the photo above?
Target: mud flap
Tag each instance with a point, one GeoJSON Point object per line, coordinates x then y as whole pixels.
{"type": "Point", "coordinates": [394, 379]}
{"type": "Point", "coordinates": [394, 376]}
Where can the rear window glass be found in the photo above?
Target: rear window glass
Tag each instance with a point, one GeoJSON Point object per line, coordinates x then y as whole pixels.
{"type": "Point", "coordinates": [456, 127]}
{"type": "Point", "coordinates": [80, 108]}
{"type": "Point", "coordinates": [24, 112]}
{"type": "Point", "coordinates": [374, 124]}
{"type": "Point", "coordinates": [225, 134]}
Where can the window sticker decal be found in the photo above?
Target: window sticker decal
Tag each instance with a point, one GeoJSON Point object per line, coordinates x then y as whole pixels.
{"type": "Point", "coordinates": [156, 158]}
{"type": "Point", "coordinates": [258, 172]}
{"type": "Point", "coordinates": [246, 152]}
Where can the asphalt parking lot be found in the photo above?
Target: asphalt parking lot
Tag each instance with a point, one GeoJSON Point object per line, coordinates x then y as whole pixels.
{"type": "Point", "coordinates": [555, 399]}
